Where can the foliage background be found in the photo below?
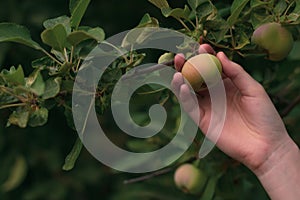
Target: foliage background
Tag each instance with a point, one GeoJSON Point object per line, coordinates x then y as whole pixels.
{"type": "Point", "coordinates": [44, 148]}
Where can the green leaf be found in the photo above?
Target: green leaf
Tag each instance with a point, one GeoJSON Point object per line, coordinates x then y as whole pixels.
{"type": "Point", "coordinates": [52, 88]}
{"type": "Point", "coordinates": [97, 33]}
{"type": "Point", "coordinates": [92, 33]}
{"type": "Point", "coordinates": [67, 85]}
{"type": "Point", "coordinates": [195, 3]}
{"type": "Point", "coordinates": [242, 40]}
{"type": "Point", "coordinates": [139, 146]}
{"type": "Point", "coordinates": [210, 188]}
{"type": "Point", "coordinates": [73, 155]}
{"type": "Point", "coordinates": [258, 19]}
{"type": "Point", "coordinates": [14, 76]}
{"type": "Point", "coordinates": [64, 69]}
{"type": "Point", "coordinates": [38, 87]}
{"type": "Point", "coordinates": [16, 176]}
{"type": "Point", "coordinates": [19, 118]}
{"type": "Point", "coordinates": [204, 10]}
{"type": "Point", "coordinates": [280, 7]}
{"type": "Point", "coordinates": [64, 20]}
{"type": "Point", "coordinates": [36, 83]}
{"type": "Point", "coordinates": [69, 117]}
{"type": "Point", "coordinates": [10, 32]}
{"type": "Point", "coordinates": [160, 3]}
{"type": "Point", "coordinates": [77, 10]}
{"type": "Point", "coordinates": [293, 18]}
{"type": "Point", "coordinates": [294, 54]}
{"type": "Point", "coordinates": [38, 118]}
{"type": "Point", "coordinates": [177, 12]}
{"type": "Point", "coordinates": [236, 9]}
{"type": "Point", "coordinates": [2, 81]}
{"type": "Point", "coordinates": [136, 36]}
{"type": "Point", "coordinates": [42, 62]}
{"type": "Point", "coordinates": [6, 99]}
{"type": "Point", "coordinates": [148, 21]}
{"type": "Point", "coordinates": [297, 8]}
{"type": "Point", "coordinates": [55, 37]}
{"type": "Point", "coordinates": [218, 28]}
{"type": "Point", "coordinates": [257, 3]}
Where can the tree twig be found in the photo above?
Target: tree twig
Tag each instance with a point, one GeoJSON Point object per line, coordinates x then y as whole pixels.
{"type": "Point", "coordinates": [52, 57]}
{"type": "Point", "coordinates": [12, 105]}
{"type": "Point", "coordinates": [148, 69]}
{"type": "Point", "coordinates": [290, 107]}
{"type": "Point", "coordinates": [157, 173]}
{"type": "Point", "coordinates": [148, 176]}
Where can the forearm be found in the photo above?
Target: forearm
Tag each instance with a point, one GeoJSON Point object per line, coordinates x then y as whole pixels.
{"type": "Point", "coordinates": [280, 175]}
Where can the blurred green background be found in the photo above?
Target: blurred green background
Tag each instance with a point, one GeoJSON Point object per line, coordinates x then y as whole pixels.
{"type": "Point", "coordinates": [44, 148]}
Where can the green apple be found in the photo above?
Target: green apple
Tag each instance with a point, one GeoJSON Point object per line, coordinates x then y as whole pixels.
{"type": "Point", "coordinates": [275, 39]}
{"type": "Point", "coordinates": [166, 57]}
{"type": "Point", "coordinates": [202, 68]}
{"type": "Point", "coordinates": [190, 179]}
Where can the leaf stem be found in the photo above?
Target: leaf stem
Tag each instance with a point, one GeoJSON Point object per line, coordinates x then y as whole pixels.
{"type": "Point", "coordinates": [288, 8]}
{"type": "Point", "coordinates": [233, 43]}
{"type": "Point", "coordinates": [197, 21]}
{"type": "Point", "coordinates": [119, 50]}
{"type": "Point", "coordinates": [157, 173]}
{"type": "Point", "coordinates": [5, 90]}
{"type": "Point", "coordinates": [12, 105]}
{"type": "Point", "coordinates": [218, 45]}
{"type": "Point", "coordinates": [50, 56]}
{"type": "Point", "coordinates": [77, 65]}
{"type": "Point", "coordinates": [190, 21]}
{"type": "Point", "coordinates": [148, 176]}
{"type": "Point", "coordinates": [148, 69]}
{"type": "Point", "coordinates": [66, 55]}
{"type": "Point", "coordinates": [72, 53]}
{"type": "Point", "coordinates": [183, 24]}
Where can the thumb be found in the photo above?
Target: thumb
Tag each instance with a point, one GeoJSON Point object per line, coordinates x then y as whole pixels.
{"type": "Point", "coordinates": [240, 78]}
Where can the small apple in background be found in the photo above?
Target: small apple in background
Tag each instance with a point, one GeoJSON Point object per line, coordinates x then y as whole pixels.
{"type": "Point", "coordinates": [275, 39]}
{"type": "Point", "coordinates": [202, 65]}
{"type": "Point", "coordinates": [190, 179]}
{"type": "Point", "coordinates": [166, 57]}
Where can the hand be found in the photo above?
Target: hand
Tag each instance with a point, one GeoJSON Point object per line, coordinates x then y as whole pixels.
{"type": "Point", "coordinates": [253, 133]}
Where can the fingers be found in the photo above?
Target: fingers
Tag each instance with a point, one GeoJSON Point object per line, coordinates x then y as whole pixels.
{"type": "Point", "coordinates": [206, 48]}
{"type": "Point", "coordinates": [179, 58]}
{"type": "Point", "coordinates": [186, 97]}
{"type": "Point", "coordinates": [190, 103]}
{"type": "Point", "coordinates": [240, 78]}
{"type": "Point", "coordinates": [179, 61]}
{"type": "Point", "coordinates": [177, 82]}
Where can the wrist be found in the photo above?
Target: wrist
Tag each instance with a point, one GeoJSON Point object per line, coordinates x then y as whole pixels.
{"type": "Point", "coordinates": [278, 157]}
{"type": "Point", "coordinates": [279, 174]}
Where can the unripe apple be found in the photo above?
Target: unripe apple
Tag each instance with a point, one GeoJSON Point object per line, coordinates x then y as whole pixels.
{"type": "Point", "coordinates": [203, 67]}
{"type": "Point", "coordinates": [190, 179]}
{"type": "Point", "coordinates": [165, 57]}
{"type": "Point", "coordinates": [275, 39]}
